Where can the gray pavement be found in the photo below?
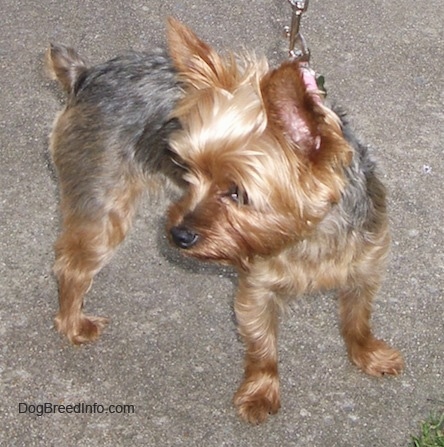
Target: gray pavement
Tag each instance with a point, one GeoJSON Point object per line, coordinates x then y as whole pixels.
{"type": "Point", "coordinates": [171, 349]}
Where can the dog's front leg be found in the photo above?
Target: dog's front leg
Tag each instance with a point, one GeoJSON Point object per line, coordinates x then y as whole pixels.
{"type": "Point", "coordinates": [257, 317]}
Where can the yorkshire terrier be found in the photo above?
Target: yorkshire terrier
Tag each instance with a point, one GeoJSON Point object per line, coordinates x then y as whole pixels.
{"type": "Point", "coordinates": [273, 182]}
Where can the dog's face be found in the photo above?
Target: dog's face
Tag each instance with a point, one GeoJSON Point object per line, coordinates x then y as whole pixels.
{"type": "Point", "coordinates": [263, 157]}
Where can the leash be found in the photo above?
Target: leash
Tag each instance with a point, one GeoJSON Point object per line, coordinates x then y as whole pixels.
{"type": "Point", "coordinates": [299, 50]}
{"type": "Point", "coordinates": [298, 46]}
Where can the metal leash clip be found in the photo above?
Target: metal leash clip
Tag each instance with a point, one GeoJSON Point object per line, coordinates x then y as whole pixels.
{"type": "Point", "coordinates": [298, 47]}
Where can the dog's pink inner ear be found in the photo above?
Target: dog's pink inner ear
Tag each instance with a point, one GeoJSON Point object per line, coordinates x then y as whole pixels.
{"type": "Point", "coordinates": [291, 109]}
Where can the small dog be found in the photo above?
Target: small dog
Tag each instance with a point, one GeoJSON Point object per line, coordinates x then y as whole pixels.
{"type": "Point", "coordinates": [273, 182]}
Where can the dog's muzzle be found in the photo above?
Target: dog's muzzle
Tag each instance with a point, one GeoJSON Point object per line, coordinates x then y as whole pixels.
{"type": "Point", "coordinates": [183, 237]}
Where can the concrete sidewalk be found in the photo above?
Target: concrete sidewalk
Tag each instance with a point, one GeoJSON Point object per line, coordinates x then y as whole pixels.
{"type": "Point", "coordinates": [171, 349]}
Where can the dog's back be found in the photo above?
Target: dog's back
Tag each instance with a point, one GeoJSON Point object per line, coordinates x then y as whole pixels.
{"type": "Point", "coordinates": [116, 120]}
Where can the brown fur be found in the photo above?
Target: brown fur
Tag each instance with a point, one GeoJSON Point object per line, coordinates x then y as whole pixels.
{"type": "Point", "coordinates": [275, 185]}
{"type": "Point", "coordinates": [261, 135]}
{"type": "Point", "coordinates": [108, 145]}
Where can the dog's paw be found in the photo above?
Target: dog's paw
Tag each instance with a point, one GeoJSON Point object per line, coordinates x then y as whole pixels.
{"type": "Point", "coordinates": [85, 329]}
{"type": "Point", "coordinates": [256, 399]}
{"type": "Point", "coordinates": [377, 359]}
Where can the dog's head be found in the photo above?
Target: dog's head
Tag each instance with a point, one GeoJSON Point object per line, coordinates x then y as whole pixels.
{"type": "Point", "coordinates": [263, 156]}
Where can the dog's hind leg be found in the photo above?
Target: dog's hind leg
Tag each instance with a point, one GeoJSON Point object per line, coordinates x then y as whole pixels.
{"type": "Point", "coordinates": [85, 245]}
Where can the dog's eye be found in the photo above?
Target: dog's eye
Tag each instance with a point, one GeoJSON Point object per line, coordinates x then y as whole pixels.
{"type": "Point", "coordinates": [180, 164]}
{"type": "Point", "coordinates": [237, 195]}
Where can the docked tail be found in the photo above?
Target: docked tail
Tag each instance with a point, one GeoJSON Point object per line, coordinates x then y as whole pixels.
{"type": "Point", "coordinates": [64, 65]}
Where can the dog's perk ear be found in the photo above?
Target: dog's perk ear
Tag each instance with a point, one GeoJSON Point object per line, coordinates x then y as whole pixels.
{"type": "Point", "coordinates": [292, 105]}
{"type": "Point", "coordinates": [184, 45]}
{"type": "Point", "coordinates": [197, 63]}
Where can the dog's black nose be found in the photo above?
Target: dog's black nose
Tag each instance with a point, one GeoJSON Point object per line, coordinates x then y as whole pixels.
{"type": "Point", "coordinates": [183, 237]}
